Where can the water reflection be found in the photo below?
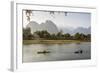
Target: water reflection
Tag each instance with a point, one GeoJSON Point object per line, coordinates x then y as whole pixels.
{"type": "Point", "coordinates": [54, 52]}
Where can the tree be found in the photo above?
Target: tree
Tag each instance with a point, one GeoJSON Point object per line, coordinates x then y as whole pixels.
{"type": "Point", "coordinates": [43, 34]}
{"type": "Point", "coordinates": [67, 36]}
{"type": "Point", "coordinates": [82, 36]}
{"type": "Point", "coordinates": [88, 37]}
{"type": "Point", "coordinates": [77, 36]}
{"type": "Point", "coordinates": [27, 34]}
{"type": "Point", "coordinates": [28, 14]}
{"type": "Point", "coordinates": [60, 34]}
{"type": "Point", "coordinates": [53, 37]}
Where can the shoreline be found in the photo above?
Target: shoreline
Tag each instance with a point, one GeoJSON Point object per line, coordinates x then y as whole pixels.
{"type": "Point", "coordinates": [52, 41]}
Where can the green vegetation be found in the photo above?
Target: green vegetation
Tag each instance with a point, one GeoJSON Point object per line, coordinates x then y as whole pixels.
{"type": "Point", "coordinates": [46, 37]}
{"type": "Point", "coordinates": [52, 41]}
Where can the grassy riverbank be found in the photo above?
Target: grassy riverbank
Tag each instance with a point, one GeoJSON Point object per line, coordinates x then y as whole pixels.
{"type": "Point", "coordinates": [51, 41]}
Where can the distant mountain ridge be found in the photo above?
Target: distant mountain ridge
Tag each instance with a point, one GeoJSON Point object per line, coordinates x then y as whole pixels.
{"type": "Point", "coordinates": [52, 28]}
{"type": "Point", "coordinates": [77, 30]}
{"type": "Point", "coordinates": [83, 30]}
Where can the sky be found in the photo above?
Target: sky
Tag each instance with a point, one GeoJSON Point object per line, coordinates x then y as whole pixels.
{"type": "Point", "coordinates": [72, 19]}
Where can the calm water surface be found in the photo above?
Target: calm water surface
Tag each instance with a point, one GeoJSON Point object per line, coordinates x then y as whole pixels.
{"type": "Point", "coordinates": [58, 52]}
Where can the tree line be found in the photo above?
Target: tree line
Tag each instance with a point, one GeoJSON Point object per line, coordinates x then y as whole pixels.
{"type": "Point", "coordinates": [27, 35]}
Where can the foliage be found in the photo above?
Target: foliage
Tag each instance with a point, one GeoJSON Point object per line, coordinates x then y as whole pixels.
{"type": "Point", "coordinates": [27, 35]}
{"type": "Point", "coordinates": [28, 14]}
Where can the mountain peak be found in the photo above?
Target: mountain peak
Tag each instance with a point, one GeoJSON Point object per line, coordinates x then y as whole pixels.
{"type": "Point", "coordinates": [33, 22]}
{"type": "Point", "coordinates": [48, 25]}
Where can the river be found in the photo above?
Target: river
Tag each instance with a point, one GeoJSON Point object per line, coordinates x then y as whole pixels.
{"type": "Point", "coordinates": [57, 52]}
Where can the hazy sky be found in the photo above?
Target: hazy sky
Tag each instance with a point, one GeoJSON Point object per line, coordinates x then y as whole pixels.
{"type": "Point", "coordinates": [72, 19]}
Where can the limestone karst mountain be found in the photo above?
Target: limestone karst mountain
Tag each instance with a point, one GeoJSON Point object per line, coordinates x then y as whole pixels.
{"type": "Point", "coordinates": [48, 25]}
{"type": "Point", "coordinates": [77, 30]}
{"type": "Point", "coordinates": [52, 28]}
{"type": "Point", "coordinates": [83, 30]}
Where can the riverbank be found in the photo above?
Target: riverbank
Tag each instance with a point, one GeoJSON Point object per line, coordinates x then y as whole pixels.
{"type": "Point", "coordinates": [51, 41]}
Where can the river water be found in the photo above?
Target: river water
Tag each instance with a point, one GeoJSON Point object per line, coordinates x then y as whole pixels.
{"type": "Point", "coordinates": [57, 52]}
